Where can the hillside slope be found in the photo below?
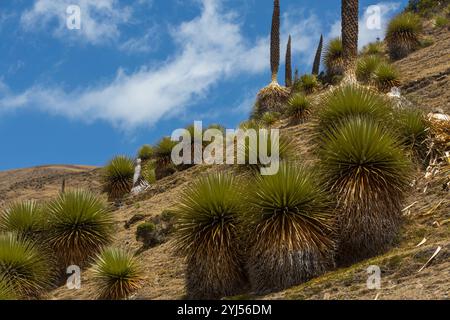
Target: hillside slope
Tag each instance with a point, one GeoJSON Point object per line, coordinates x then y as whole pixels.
{"type": "Point", "coordinates": [426, 82]}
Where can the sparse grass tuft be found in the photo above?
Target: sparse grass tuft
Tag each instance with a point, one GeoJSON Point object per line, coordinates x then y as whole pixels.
{"type": "Point", "coordinates": [117, 274]}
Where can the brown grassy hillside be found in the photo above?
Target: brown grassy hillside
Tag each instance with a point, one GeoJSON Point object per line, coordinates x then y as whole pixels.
{"type": "Point", "coordinates": [425, 82]}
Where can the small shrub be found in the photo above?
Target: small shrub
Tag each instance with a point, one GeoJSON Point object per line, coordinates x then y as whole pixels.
{"type": "Point", "coordinates": [309, 83]}
{"type": "Point", "coordinates": [79, 226]}
{"type": "Point", "coordinates": [253, 160]}
{"type": "Point", "coordinates": [208, 236]}
{"type": "Point", "coordinates": [148, 172]}
{"type": "Point", "coordinates": [268, 119]}
{"type": "Point", "coordinates": [386, 77]}
{"type": "Point", "coordinates": [168, 215]}
{"type": "Point", "coordinates": [145, 153]}
{"type": "Point", "coordinates": [147, 233]}
{"type": "Point", "coordinates": [366, 68]}
{"type": "Point", "coordinates": [288, 229]}
{"type": "Point", "coordinates": [374, 49]}
{"type": "Point", "coordinates": [441, 22]}
{"type": "Point", "coordinates": [333, 59]}
{"type": "Point", "coordinates": [426, 42]}
{"type": "Point", "coordinates": [117, 274]}
{"type": "Point", "coordinates": [23, 218]}
{"type": "Point", "coordinates": [412, 129]}
{"type": "Point", "coordinates": [403, 35]}
{"type": "Point", "coordinates": [163, 150]}
{"type": "Point", "coordinates": [298, 108]}
{"type": "Point", "coordinates": [23, 266]}
{"type": "Point", "coordinates": [118, 177]}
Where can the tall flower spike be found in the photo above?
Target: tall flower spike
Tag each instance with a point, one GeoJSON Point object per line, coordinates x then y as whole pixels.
{"type": "Point", "coordinates": [350, 37]}
{"type": "Point", "coordinates": [288, 71]}
{"type": "Point", "coordinates": [275, 41]}
{"type": "Point", "coordinates": [316, 65]}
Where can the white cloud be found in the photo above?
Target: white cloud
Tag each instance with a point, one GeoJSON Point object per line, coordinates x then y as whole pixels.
{"type": "Point", "coordinates": [99, 19]}
{"type": "Point", "coordinates": [147, 43]}
{"type": "Point", "coordinates": [366, 34]}
{"type": "Point", "coordinates": [210, 49]}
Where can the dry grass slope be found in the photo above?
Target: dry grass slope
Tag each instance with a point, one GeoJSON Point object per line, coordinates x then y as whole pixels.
{"type": "Point", "coordinates": [425, 81]}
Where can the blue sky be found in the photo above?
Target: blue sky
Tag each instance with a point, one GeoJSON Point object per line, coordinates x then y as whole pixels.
{"type": "Point", "coordinates": [138, 69]}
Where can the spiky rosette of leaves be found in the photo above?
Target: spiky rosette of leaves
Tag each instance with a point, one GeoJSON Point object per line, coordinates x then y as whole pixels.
{"type": "Point", "coordinates": [117, 274]}
{"type": "Point", "coordinates": [148, 172]}
{"type": "Point", "coordinates": [163, 151]}
{"type": "Point", "coordinates": [333, 58]}
{"type": "Point", "coordinates": [268, 119]}
{"type": "Point", "coordinates": [80, 224]}
{"type": "Point", "coordinates": [298, 108]}
{"type": "Point", "coordinates": [374, 49]}
{"type": "Point", "coordinates": [25, 268]}
{"type": "Point", "coordinates": [263, 141]}
{"type": "Point", "coordinates": [118, 177]}
{"type": "Point", "coordinates": [145, 153]}
{"type": "Point", "coordinates": [403, 35]}
{"type": "Point", "coordinates": [7, 291]}
{"type": "Point", "coordinates": [24, 218]}
{"type": "Point", "coordinates": [366, 68]}
{"type": "Point", "coordinates": [368, 172]}
{"type": "Point", "coordinates": [308, 83]}
{"type": "Point", "coordinates": [351, 101]}
{"type": "Point", "coordinates": [413, 131]}
{"type": "Point", "coordinates": [386, 77]}
{"type": "Point", "coordinates": [208, 237]}
{"type": "Point", "coordinates": [288, 226]}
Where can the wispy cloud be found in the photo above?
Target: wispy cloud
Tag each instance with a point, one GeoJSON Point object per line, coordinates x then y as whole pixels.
{"type": "Point", "coordinates": [100, 19]}
{"type": "Point", "coordinates": [148, 42]}
{"type": "Point", "coordinates": [211, 48]}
